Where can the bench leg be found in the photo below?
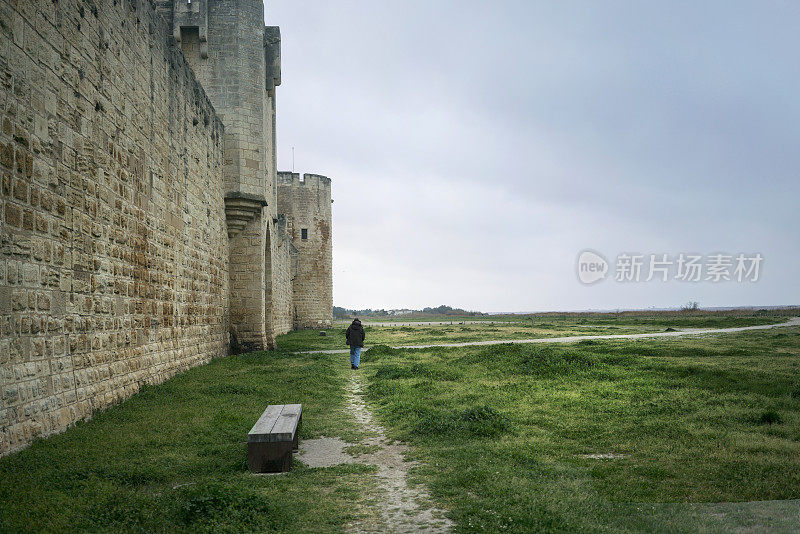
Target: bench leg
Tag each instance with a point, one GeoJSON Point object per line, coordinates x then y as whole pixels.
{"type": "Point", "coordinates": [296, 441]}
{"type": "Point", "coordinates": [269, 457]}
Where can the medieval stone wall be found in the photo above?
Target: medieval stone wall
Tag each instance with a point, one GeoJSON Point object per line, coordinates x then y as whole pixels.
{"type": "Point", "coordinates": [306, 201]}
{"type": "Point", "coordinates": [285, 261]}
{"type": "Point", "coordinates": [113, 247]}
{"type": "Point", "coordinates": [141, 226]}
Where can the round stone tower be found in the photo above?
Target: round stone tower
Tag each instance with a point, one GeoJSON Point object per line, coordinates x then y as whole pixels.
{"type": "Point", "coordinates": [306, 202]}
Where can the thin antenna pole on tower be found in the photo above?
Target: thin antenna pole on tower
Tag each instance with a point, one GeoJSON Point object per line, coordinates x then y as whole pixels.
{"type": "Point", "coordinates": [292, 159]}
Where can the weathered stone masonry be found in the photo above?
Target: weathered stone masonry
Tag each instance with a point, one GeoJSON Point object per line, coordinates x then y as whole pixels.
{"type": "Point", "coordinates": [140, 225]}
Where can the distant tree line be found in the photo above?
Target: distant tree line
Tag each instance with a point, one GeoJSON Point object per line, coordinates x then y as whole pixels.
{"type": "Point", "coordinates": [343, 313]}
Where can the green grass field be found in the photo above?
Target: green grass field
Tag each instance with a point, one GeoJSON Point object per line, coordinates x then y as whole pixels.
{"type": "Point", "coordinates": [302, 340]}
{"type": "Point", "coordinates": [503, 434]}
{"type": "Point", "coordinates": [173, 459]}
{"type": "Point", "coordinates": [528, 327]}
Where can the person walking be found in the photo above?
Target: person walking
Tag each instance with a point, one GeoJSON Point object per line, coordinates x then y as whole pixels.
{"type": "Point", "coordinates": [355, 338]}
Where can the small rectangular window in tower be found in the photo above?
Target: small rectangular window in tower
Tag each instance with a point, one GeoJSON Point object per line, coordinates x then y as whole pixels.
{"type": "Point", "coordinates": [304, 233]}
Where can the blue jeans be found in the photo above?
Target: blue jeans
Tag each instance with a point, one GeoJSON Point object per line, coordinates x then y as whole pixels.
{"type": "Point", "coordinates": [355, 355]}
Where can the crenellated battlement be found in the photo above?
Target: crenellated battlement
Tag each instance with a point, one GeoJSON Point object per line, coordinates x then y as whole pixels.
{"type": "Point", "coordinates": [288, 178]}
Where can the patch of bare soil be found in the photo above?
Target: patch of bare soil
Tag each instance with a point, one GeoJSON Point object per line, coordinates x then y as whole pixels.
{"type": "Point", "coordinates": [324, 452]}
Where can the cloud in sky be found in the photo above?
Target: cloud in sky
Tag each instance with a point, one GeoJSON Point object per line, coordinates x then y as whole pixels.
{"type": "Point", "coordinates": [476, 148]}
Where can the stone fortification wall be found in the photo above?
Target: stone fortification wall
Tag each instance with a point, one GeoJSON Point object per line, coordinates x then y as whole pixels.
{"type": "Point", "coordinates": [113, 242]}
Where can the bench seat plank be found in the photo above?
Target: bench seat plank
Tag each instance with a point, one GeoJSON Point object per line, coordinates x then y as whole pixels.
{"type": "Point", "coordinates": [292, 408]}
{"type": "Point", "coordinates": [286, 425]}
{"type": "Point", "coordinates": [265, 423]}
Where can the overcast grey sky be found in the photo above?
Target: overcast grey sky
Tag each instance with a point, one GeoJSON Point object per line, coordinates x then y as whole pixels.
{"type": "Point", "coordinates": [476, 148]}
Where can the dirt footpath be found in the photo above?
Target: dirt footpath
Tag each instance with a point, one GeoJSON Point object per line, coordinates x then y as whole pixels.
{"type": "Point", "coordinates": [404, 508]}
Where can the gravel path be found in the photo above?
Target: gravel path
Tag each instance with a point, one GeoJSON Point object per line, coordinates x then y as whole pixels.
{"type": "Point", "coordinates": [794, 321]}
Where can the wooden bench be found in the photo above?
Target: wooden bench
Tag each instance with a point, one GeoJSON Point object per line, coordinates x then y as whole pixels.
{"type": "Point", "coordinates": [273, 438]}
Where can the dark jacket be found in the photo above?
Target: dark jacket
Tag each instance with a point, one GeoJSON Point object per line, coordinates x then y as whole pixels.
{"type": "Point", "coordinates": [355, 334]}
